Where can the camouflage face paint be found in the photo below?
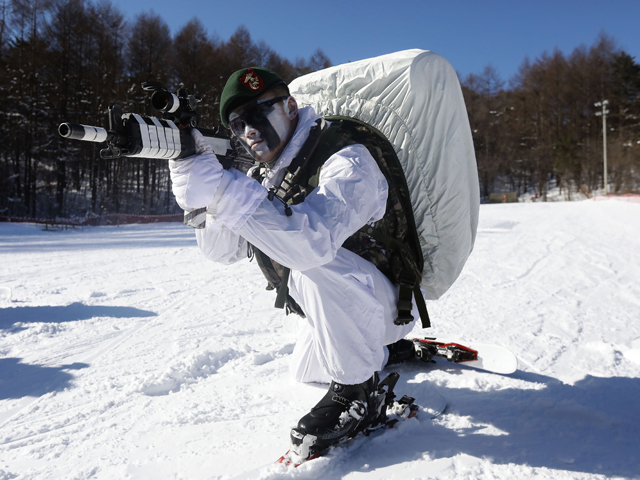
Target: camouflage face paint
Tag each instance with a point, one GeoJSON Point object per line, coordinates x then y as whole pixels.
{"type": "Point", "coordinates": [270, 128]}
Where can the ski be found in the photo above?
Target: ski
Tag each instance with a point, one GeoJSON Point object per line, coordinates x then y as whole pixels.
{"type": "Point", "coordinates": [483, 356]}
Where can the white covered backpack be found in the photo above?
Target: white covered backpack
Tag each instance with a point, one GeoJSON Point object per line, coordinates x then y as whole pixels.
{"type": "Point", "coordinates": [414, 99]}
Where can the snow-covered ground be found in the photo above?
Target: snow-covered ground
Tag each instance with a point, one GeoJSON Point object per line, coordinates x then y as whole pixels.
{"type": "Point", "coordinates": [124, 354]}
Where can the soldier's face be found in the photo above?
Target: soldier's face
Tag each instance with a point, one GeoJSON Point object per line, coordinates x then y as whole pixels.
{"type": "Point", "coordinates": [265, 126]}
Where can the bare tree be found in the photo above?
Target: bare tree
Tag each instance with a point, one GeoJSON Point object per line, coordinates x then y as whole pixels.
{"type": "Point", "coordinates": [195, 62]}
{"type": "Point", "coordinates": [69, 60]}
{"type": "Point", "coordinates": [319, 60]}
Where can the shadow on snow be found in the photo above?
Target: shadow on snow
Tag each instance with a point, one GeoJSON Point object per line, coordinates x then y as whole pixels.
{"type": "Point", "coordinates": [22, 238]}
{"type": "Point", "coordinates": [588, 427]}
{"type": "Point", "coordinates": [60, 314]}
{"type": "Point", "coordinates": [19, 380]}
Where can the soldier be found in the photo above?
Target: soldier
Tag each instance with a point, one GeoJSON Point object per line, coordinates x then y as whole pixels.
{"type": "Point", "coordinates": [349, 304]}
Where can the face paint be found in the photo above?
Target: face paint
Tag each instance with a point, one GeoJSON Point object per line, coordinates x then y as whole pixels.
{"type": "Point", "coordinates": [280, 123]}
{"type": "Point", "coordinates": [253, 114]}
{"type": "Point", "coordinates": [261, 128]}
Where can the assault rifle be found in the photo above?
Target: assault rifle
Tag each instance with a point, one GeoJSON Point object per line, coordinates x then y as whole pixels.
{"type": "Point", "coordinates": [168, 138]}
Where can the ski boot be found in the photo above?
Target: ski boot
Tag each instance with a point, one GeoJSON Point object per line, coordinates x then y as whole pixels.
{"type": "Point", "coordinates": [401, 351]}
{"type": "Point", "coordinates": [343, 412]}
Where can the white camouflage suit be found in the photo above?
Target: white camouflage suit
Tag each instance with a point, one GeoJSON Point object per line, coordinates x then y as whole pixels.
{"type": "Point", "coordinates": [349, 304]}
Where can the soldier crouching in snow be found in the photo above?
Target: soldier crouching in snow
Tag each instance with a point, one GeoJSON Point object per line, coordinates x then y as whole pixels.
{"type": "Point", "coordinates": [349, 304]}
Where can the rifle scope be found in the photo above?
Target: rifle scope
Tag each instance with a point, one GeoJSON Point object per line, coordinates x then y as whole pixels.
{"type": "Point", "coordinates": [164, 101]}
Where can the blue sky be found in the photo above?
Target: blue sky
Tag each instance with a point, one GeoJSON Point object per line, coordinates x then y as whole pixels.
{"type": "Point", "coordinates": [470, 34]}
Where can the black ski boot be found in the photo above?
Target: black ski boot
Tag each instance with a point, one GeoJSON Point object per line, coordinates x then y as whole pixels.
{"type": "Point", "coordinates": [401, 351]}
{"type": "Point", "coordinates": [342, 413]}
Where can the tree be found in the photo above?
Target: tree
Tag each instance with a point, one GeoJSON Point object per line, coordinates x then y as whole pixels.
{"type": "Point", "coordinates": [485, 103]}
{"type": "Point", "coordinates": [68, 36]}
{"type": "Point", "coordinates": [149, 52]}
{"type": "Point", "coordinates": [4, 25]}
{"type": "Point", "coordinates": [25, 72]}
{"type": "Point", "coordinates": [625, 107]}
{"type": "Point", "coordinates": [319, 61]}
{"type": "Point", "coordinates": [282, 67]}
{"type": "Point", "coordinates": [238, 52]}
{"type": "Point", "coordinates": [149, 49]}
{"type": "Point", "coordinates": [195, 61]}
{"type": "Point", "coordinates": [542, 130]}
{"type": "Point", "coordinates": [68, 60]}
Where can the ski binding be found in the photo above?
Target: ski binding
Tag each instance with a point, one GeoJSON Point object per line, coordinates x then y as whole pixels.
{"type": "Point", "coordinates": [426, 349]}
{"type": "Point", "coordinates": [305, 447]}
{"type": "Point", "coordinates": [492, 358]}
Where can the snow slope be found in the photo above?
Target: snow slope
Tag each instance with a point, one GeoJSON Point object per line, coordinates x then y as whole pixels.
{"type": "Point", "coordinates": [125, 355]}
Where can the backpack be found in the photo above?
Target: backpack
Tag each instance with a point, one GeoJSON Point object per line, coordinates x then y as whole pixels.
{"type": "Point", "coordinates": [407, 109]}
{"type": "Point", "coordinates": [414, 99]}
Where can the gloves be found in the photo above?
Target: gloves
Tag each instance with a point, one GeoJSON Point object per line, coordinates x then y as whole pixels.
{"type": "Point", "coordinates": [195, 179]}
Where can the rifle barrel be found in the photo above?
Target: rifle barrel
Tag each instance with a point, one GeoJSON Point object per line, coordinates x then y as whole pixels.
{"type": "Point", "coordinates": [89, 133]}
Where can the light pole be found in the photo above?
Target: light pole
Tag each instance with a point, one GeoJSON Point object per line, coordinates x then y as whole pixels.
{"type": "Point", "coordinates": [604, 112]}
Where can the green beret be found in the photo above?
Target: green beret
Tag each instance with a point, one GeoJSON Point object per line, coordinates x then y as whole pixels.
{"type": "Point", "coordinates": [243, 86]}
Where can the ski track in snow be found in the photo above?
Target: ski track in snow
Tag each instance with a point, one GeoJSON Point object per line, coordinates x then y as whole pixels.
{"type": "Point", "coordinates": [125, 354]}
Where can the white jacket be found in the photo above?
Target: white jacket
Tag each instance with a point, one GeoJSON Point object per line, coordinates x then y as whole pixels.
{"type": "Point", "coordinates": [352, 192]}
{"type": "Point", "coordinates": [350, 305]}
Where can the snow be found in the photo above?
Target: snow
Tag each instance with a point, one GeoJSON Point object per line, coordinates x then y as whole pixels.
{"type": "Point", "coordinates": [124, 354]}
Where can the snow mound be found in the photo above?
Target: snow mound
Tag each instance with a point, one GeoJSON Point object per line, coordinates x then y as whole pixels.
{"type": "Point", "coordinates": [188, 371]}
{"type": "Point", "coordinates": [5, 296]}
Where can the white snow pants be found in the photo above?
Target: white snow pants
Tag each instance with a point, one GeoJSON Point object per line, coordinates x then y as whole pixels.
{"type": "Point", "coordinates": [350, 307]}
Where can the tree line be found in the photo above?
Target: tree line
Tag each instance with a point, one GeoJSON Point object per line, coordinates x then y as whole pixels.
{"type": "Point", "coordinates": [542, 130]}
{"type": "Point", "coordinates": [68, 60]}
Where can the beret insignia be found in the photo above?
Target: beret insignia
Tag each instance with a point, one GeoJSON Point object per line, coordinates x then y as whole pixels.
{"type": "Point", "coordinates": [252, 81]}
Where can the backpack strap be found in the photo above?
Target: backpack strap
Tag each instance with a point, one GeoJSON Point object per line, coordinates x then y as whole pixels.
{"type": "Point", "coordinates": [409, 281]}
{"type": "Point", "coordinates": [292, 189]}
{"type": "Point", "coordinates": [303, 175]}
{"type": "Point", "coordinates": [410, 275]}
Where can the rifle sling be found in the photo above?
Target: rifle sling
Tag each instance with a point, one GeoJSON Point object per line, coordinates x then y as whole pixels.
{"type": "Point", "coordinates": [295, 172]}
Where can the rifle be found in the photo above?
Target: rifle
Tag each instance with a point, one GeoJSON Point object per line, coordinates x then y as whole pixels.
{"type": "Point", "coordinates": [168, 138]}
